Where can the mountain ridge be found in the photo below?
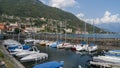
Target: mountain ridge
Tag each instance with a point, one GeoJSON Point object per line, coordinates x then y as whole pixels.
{"type": "Point", "coordinates": [35, 8]}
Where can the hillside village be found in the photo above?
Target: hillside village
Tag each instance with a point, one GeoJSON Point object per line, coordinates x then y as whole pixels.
{"type": "Point", "coordinates": [29, 24]}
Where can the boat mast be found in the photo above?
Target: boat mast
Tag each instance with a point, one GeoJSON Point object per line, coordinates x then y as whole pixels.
{"type": "Point", "coordinates": [93, 32]}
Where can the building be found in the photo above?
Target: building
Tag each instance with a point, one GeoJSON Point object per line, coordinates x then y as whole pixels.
{"type": "Point", "coordinates": [68, 30]}
{"type": "Point", "coordinates": [2, 27]}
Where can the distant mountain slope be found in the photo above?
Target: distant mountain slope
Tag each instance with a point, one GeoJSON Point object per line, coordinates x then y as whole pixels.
{"type": "Point", "coordinates": [111, 27]}
{"type": "Point", "coordinates": [35, 8]}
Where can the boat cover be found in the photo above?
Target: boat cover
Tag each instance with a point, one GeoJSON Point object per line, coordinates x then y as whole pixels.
{"type": "Point", "coordinates": [52, 64]}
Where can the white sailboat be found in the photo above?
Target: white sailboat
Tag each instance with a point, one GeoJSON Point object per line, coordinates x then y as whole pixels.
{"type": "Point", "coordinates": [92, 47]}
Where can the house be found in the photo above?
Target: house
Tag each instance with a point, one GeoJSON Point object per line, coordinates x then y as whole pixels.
{"type": "Point", "coordinates": [2, 27]}
{"type": "Point", "coordinates": [68, 30]}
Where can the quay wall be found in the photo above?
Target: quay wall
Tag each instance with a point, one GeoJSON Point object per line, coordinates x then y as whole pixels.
{"type": "Point", "coordinates": [10, 58]}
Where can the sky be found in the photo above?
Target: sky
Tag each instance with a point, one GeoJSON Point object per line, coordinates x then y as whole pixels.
{"type": "Point", "coordinates": [97, 11]}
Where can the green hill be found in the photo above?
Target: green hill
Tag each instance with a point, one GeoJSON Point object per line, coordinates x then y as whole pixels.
{"type": "Point", "coordinates": [35, 8]}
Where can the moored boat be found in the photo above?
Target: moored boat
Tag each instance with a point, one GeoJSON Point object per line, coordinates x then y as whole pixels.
{"type": "Point", "coordinates": [114, 51]}
{"type": "Point", "coordinates": [51, 64]}
{"type": "Point", "coordinates": [27, 52]}
{"type": "Point", "coordinates": [34, 57]}
{"type": "Point", "coordinates": [107, 59]}
{"type": "Point", "coordinates": [65, 45]}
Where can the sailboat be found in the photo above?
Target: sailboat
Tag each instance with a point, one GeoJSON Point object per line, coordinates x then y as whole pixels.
{"type": "Point", "coordinates": [65, 44]}
{"type": "Point", "coordinates": [92, 47]}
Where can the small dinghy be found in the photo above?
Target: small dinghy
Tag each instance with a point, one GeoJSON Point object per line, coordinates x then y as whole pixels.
{"type": "Point", "coordinates": [52, 64]}
{"type": "Point", "coordinates": [34, 57]}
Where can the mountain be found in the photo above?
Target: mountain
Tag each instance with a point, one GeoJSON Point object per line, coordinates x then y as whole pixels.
{"type": "Point", "coordinates": [35, 8]}
{"type": "Point", "coordinates": [111, 27]}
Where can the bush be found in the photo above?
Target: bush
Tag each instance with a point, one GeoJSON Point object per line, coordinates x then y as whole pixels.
{"type": "Point", "coordinates": [1, 55]}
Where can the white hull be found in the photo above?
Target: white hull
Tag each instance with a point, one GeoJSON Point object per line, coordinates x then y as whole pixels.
{"type": "Point", "coordinates": [108, 59]}
{"type": "Point", "coordinates": [92, 48]}
{"type": "Point", "coordinates": [34, 57]}
{"type": "Point", "coordinates": [114, 51]}
{"type": "Point", "coordinates": [26, 52]}
{"type": "Point", "coordinates": [10, 42]}
{"type": "Point", "coordinates": [65, 45]}
{"type": "Point", "coordinates": [80, 47]}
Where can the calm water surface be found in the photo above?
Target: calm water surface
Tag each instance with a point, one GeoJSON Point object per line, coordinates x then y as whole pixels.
{"type": "Point", "coordinates": [71, 59]}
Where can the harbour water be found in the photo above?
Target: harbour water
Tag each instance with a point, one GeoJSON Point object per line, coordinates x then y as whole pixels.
{"type": "Point", "coordinates": [71, 59]}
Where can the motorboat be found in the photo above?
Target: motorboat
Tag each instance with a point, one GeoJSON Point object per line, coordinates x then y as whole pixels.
{"type": "Point", "coordinates": [114, 51]}
{"type": "Point", "coordinates": [65, 45]}
{"type": "Point", "coordinates": [34, 57]}
{"type": "Point", "coordinates": [27, 52]}
{"type": "Point", "coordinates": [20, 49]}
{"type": "Point", "coordinates": [10, 42]}
{"type": "Point", "coordinates": [31, 41]}
{"type": "Point", "coordinates": [111, 54]}
{"type": "Point", "coordinates": [50, 64]}
{"type": "Point", "coordinates": [107, 59]}
{"type": "Point", "coordinates": [12, 47]}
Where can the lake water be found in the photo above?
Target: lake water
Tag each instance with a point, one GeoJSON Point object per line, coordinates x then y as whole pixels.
{"type": "Point", "coordinates": [71, 59]}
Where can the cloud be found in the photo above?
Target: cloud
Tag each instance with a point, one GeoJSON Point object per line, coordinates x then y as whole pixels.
{"type": "Point", "coordinates": [62, 3]}
{"type": "Point", "coordinates": [43, 1]}
{"type": "Point", "coordinates": [110, 18]}
{"type": "Point", "coordinates": [80, 15]}
{"type": "Point", "coordinates": [107, 18]}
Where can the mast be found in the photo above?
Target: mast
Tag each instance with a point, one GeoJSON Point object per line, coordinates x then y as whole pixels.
{"type": "Point", "coordinates": [93, 31]}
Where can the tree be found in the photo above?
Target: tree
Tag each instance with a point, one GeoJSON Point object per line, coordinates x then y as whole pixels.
{"type": "Point", "coordinates": [17, 30]}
